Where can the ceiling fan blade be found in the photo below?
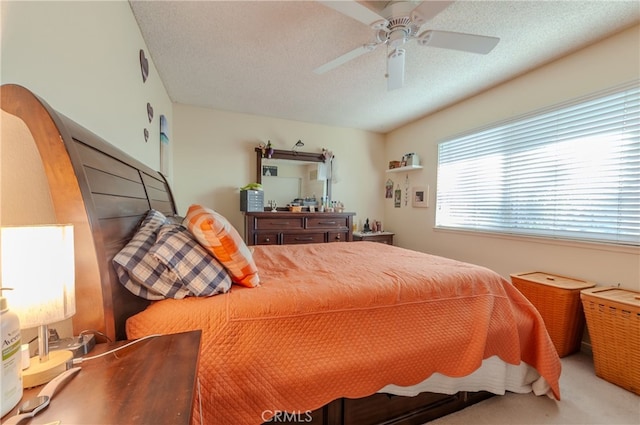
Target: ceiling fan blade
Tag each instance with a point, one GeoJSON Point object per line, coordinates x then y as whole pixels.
{"type": "Point", "coordinates": [395, 69]}
{"type": "Point", "coordinates": [365, 48]}
{"type": "Point", "coordinates": [427, 10]}
{"type": "Point", "coordinates": [356, 11]}
{"type": "Point", "coordinates": [458, 41]}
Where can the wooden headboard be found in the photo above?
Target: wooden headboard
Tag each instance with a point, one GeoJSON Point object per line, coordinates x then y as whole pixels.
{"type": "Point", "coordinates": [104, 193]}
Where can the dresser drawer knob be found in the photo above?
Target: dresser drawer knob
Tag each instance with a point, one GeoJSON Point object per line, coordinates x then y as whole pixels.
{"type": "Point", "coordinates": [327, 222]}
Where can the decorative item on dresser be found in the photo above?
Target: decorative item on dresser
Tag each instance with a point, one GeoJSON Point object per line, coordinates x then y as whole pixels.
{"type": "Point", "coordinates": [284, 228]}
{"type": "Point", "coordinates": [382, 237]}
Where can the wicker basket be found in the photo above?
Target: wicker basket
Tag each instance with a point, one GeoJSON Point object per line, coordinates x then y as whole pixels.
{"type": "Point", "coordinates": [613, 321]}
{"type": "Point", "coordinates": [557, 298]}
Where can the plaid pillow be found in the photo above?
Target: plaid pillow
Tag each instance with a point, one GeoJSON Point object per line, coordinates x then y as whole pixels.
{"type": "Point", "coordinates": [140, 272]}
{"type": "Point", "coordinates": [199, 272]}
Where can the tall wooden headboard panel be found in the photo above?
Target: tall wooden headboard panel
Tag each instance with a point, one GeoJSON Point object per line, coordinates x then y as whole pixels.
{"type": "Point", "coordinates": [104, 193]}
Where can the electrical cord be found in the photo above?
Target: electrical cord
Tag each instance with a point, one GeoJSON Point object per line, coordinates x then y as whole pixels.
{"type": "Point", "coordinates": [82, 359]}
{"type": "Point", "coordinates": [95, 332]}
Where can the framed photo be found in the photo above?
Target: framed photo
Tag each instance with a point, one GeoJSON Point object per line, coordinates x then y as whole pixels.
{"type": "Point", "coordinates": [420, 197]}
{"type": "Point", "coordinates": [388, 189]}
{"type": "Point", "coordinates": [270, 170]}
{"type": "Point", "coordinates": [397, 197]}
{"type": "Point", "coordinates": [164, 146]}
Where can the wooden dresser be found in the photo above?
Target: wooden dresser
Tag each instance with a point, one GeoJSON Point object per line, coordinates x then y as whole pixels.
{"type": "Point", "coordinates": [284, 228]}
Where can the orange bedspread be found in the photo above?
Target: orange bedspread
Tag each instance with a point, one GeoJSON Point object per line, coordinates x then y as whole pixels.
{"type": "Point", "coordinates": [344, 320]}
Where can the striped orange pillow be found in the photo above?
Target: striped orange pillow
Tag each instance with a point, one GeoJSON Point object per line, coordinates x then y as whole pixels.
{"type": "Point", "coordinates": [220, 238]}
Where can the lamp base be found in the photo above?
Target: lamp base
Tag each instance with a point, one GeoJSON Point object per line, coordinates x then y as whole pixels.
{"type": "Point", "coordinates": [40, 373]}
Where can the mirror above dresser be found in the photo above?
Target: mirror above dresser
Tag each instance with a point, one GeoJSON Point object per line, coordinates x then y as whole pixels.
{"type": "Point", "coordinates": [293, 177]}
{"type": "Point", "coordinates": [289, 176]}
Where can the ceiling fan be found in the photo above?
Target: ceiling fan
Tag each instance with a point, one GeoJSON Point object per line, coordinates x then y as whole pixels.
{"type": "Point", "coordinates": [398, 23]}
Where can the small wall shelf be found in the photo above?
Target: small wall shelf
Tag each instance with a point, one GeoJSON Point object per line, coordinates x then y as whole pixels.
{"type": "Point", "coordinates": [405, 168]}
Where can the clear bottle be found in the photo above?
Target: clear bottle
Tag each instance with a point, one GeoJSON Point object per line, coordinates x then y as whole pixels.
{"type": "Point", "coordinates": [11, 387]}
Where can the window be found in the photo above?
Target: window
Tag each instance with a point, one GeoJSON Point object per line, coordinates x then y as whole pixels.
{"type": "Point", "coordinates": [570, 172]}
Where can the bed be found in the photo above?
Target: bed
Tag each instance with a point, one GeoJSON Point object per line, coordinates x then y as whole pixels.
{"type": "Point", "coordinates": [343, 333]}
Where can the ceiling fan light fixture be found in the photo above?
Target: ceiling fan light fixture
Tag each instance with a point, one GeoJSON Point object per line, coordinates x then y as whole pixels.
{"type": "Point", "coordinates": [397, 38]}
{"type": "Point", "coordinates": [396, 53]}
{"type": "Point", "coordinates": [398, 23]}
{"type": "Point", "coordinates": [395, 69]}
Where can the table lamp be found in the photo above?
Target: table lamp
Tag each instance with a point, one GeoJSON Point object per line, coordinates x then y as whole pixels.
{"type": "Point", "coordinates": [38, 263]}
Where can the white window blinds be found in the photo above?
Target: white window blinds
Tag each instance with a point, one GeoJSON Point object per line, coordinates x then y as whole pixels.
{"type": "Point", "coordinates": [569, 172]}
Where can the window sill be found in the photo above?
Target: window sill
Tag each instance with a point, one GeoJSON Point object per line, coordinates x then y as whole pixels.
{"type": "Point", "coordinates": [598, 246]}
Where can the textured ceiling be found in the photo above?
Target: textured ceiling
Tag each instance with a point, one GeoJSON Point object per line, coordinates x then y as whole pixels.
{"type": "Point", "coordinates": [258, 57]}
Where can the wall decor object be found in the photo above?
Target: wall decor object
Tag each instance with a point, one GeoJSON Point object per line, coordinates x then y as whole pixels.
{"type": "Point", "coordinates": [420, 197]}
{"type": "Point", "coordinates": [144, 66]}
{"type": "Point", "coordinates": [406, 190]}
{"type": "Point", "coordinates": [164, 146]}
{"type": "Point", "coordinates": [388, 189]}
{"type": "Point", "coordinates": [146, 135]}
{"type": "Point", "coordinates": [149, 112]}
{"type": "Point", "coordinates": [397, 197]}
{"type": "Point", "coordinates": [270, 170]}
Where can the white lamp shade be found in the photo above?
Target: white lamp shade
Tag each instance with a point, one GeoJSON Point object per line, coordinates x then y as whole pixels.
{"type": "Point", "coordinates": [38, 263]}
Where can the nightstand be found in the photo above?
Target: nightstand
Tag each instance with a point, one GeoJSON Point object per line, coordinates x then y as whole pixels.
{"type": "Point", "coordinates": [382, 237]}
{"type": "Point", "coordinates": [151, 382]}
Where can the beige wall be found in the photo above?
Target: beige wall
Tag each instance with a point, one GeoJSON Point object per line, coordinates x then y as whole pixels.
{"type": "Point", "coordinates": [83, 59]}
{"type": "Point", "coordinates": [600, 66]}
{"type": "Point", "coordinates": [214, 156]}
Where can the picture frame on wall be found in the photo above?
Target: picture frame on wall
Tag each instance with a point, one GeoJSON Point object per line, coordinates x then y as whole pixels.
{"type": "Point", "coordinates": [164, 146]}
{"type": "Point", "coordinates": [388, 189]}
{"type": "Point", "coordinates": [397, 197]}
{"type": "Point", "coordinates": [270, 170]}
{"type": "Point", "coordinates": [420, 197]}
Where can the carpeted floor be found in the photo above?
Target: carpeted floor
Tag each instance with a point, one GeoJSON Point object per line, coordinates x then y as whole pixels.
{"type": "Point", "coordinates": [586, 399]}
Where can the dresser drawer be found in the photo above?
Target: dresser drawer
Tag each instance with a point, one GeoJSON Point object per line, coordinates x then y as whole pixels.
{"type": "Point", "coordinates": [266, 238]}
{"type": "Point", "coordinates": [279, 223]}
{"type": "Point", "coordinates": [327, 222]}
{"type": "Point", "coordinates": [287, 227]}
{"type": "Point", "coordinates": [298, 238]}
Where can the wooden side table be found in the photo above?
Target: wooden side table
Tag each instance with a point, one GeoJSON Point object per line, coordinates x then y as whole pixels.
{"type": "Point", "coordinates": [382, 237]}
{"type": "Point", "coordinates": [151, 382]}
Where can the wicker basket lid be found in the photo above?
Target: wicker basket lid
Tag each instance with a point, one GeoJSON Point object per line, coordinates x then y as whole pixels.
{"type": "Point", "coordinates": [555, 280]}
{"type": "Point", "coordinates": [618, 295]}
